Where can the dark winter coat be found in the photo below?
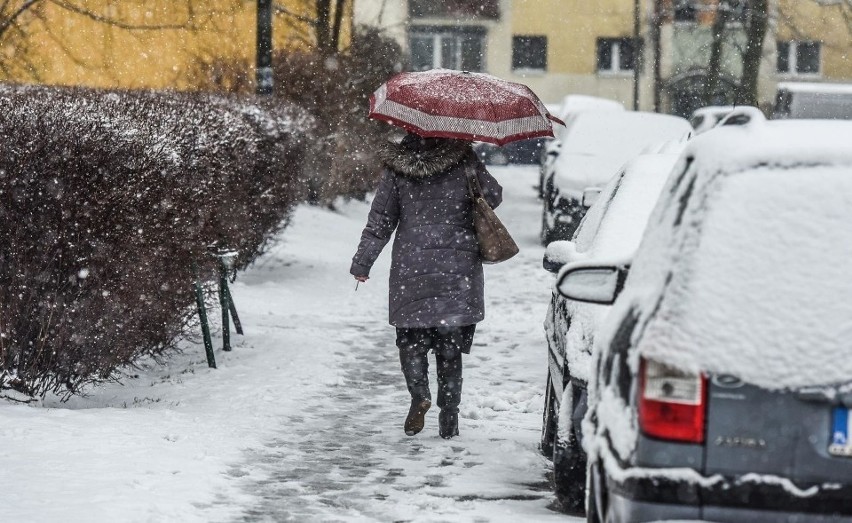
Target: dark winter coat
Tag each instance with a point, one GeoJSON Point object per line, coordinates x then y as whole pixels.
{"type": "Point", "coordinates": [436, 276]}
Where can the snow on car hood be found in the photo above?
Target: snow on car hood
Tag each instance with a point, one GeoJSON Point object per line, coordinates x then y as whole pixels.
{"type": "Point", "coordinates": [744, 267]}
{"type": "Point", "coordinates": [574, 173]}
{"type": "Point", "coordinates": [597, 143]}
{"type": "Point", "coordinates": [612, 230]}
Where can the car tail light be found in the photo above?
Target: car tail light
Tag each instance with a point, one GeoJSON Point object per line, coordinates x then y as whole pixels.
{"type": "Point", "coordinates": [671, 403]}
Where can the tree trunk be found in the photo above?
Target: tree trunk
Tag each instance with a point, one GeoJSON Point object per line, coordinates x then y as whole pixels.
{"type": "Point", "coordinates": [323, 26]}
{"type": "Point", "coordinates": [757, 27]}
{"type": "Point", "coordinates": [338, 22]}
{"type": "Point", "coordinates": [714, 66]}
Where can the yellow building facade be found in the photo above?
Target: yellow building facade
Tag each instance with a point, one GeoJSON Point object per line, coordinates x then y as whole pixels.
{"type": "Point", "coordinates": [561, 47]}
{"type": "Point", "coordinates": [826, 26]}
{"type": "Point", "coordinates": [140, 43]}
{"type": "Point", "coordinates": [574, 30]}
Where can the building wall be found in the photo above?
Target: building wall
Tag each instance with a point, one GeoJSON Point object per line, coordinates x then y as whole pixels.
{"type": "Point", "coordinates": [71, 49]}
{"type": "Point", "coordinates": [798, 20]}
{"type": "Point", "coordinates": [572, 28]}
{"type": "Point", "coordinates": [392, 16]}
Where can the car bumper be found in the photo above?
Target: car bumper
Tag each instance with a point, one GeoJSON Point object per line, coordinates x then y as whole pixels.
{"type": "Point", "coordinates": [728, 499]}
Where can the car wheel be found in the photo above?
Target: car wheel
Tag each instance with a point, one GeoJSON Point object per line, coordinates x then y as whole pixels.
{"type": "Point", "coordinates": [548, 422]}
{"type": "Point", "coordinates": [569, 469]}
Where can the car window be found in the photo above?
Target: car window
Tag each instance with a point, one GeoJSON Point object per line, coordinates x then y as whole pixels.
{"type": "Point", "coordinates": [585, 234]}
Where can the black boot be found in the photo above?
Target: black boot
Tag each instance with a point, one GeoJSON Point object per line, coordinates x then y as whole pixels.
{"type": "Point", "coordinates": [449, 363]}
{"type": "Point", "coordinates": [413, 352]}
{"type": "Point", "coordinates": [449, 390]}
{"type": "Point", "coordinates": [416, 416]}
{"type": "Point", "coordinates": [448, 424]}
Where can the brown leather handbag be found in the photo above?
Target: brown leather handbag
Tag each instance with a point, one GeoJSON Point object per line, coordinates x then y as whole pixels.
{"type": "Point", "coordinates": [495, 242]}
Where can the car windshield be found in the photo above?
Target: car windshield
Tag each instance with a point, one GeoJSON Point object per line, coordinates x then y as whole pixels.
{"type": "Point", "coordinates": [613, 227]}
{"type": "Point", "coordinates": [624, 133]}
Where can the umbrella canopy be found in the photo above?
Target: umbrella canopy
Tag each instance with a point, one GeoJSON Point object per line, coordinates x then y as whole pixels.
{"type": "Point", "coordinates": [443, 103]}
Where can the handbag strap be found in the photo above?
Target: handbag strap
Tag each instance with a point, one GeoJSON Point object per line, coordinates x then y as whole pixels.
{"type": "Point", "coordinates": [473, 186]}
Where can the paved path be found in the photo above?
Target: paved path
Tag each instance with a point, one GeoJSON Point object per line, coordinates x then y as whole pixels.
{"type": "Point", "coordinates": [344, 457]}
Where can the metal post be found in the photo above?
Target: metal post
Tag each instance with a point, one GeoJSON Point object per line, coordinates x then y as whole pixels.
{"type": "Point", "coordinates": [223, 304]}
{"type": "Point", "coordinates": [657, 22]}
{"type": "Point", "coordinates": [238, 326]}
{"type": "Point", "coordinates": [264, 47]}
{"type": "Point", "coordinates": [202, 316]}
{"type": "Point", "coordinates": [637, 51]}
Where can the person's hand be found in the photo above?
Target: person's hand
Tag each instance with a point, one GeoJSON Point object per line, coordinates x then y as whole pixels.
{"type": "Point", "coordinates": [362, 279]}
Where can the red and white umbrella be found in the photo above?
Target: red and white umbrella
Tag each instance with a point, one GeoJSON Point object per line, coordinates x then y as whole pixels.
{"type": "Point", "coordinates": [443, 103]}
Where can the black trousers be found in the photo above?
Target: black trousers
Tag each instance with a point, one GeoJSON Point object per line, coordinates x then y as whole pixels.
{"type": "Point", "coordinates": [448, 344]}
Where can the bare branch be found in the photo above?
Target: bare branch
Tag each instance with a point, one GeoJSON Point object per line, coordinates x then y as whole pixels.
{"type": "Point", "coordinates": [115, 22]}
{"type": "Point", "coordinates": [282, 10]}
{"type": "Point", "coordinates": [5, 24]}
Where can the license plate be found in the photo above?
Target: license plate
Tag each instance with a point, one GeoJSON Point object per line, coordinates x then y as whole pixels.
{"type": "Point", "coordinates": [841, 445]}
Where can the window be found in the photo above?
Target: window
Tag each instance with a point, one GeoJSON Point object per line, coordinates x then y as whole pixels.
{"type": "Point", "coordinates": [799, 57]}
{"type": "Point", "coordinates": [616, 54]}
{"type": "Point", "coordinates": [486, 9]}
{"type": "Point", "coordinates": [529, 52]}
{"type": "Point", "coordinates": [685, 11]}
{"type": "Point", "coordinates": [447, 47]}
{"type": "Point", "coordinates": [739, 11]}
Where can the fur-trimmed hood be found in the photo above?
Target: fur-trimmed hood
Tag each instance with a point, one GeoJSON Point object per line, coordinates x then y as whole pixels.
{"type": "Point", "coordinates": [423, 157]}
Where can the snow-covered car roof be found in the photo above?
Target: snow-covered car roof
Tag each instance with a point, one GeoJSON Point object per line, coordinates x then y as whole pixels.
{"type": "Point", "coordinates": [578, 102]}
{"type": "Point", "coordinates": [815, 87]}
{"type": "Point", "coordinates": [743, 269]}
{"type": "Point", "coordinates": [597, 143]}
{"type": "Point", "coordinates": [623, 217]}
{"type": "Point", "coordinates": [575, 104]}
{"type": "Point", "coordinates": [705, 118]}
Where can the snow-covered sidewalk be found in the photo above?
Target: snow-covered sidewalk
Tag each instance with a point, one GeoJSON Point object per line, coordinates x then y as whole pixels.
{"type": "Point", "coordinates": [302, 421]}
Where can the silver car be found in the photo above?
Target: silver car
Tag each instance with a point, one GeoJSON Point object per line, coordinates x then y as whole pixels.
{"type": "Point", "coordinates": [612, 228]}
{"type": "Point", "coordinates": [723, 375]}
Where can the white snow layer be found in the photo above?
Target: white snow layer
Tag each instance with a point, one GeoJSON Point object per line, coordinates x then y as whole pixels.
{"type": "Point", "coordinates": [612, 229]}
{"type": "Point", "coordinates": [302, 420]}
{"type": "Point", "coordinates": [755, 281]}
{"type": "Point", "coordinates": [597, 143]}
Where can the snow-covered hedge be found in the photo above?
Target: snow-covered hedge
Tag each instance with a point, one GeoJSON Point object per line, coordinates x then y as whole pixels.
{"type": "Point", "coordinates": [107, 199]}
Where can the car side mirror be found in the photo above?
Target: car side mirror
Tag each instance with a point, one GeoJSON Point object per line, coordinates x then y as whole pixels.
{"type": "Point", "coordinates": [592, 284]}
{"type": "Point", "coordinates": [559, 253]}
{"type": "Point", "coordinates": [590, 196]}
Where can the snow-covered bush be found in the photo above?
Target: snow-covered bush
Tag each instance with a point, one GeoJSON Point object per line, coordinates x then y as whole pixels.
{"type": "Point", "coordinates": [107, 199]}
{"type": "Point", "coordinates": [335, 89]}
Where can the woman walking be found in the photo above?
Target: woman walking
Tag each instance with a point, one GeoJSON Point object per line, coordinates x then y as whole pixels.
{"type": "Point", "coordinates": [436, 278]}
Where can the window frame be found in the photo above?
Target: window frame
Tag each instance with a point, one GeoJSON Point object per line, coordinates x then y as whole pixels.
{"type": "Point", "coordinates": [679, 6]}
{"type": "Point", "coordinates": [439, 33]}
{"type": "Point", "coordinates": [615, 45]}
{"type": "Point", "coordinates": [792, 58]}
{"type": "Point", "coordinates": [529, 39]}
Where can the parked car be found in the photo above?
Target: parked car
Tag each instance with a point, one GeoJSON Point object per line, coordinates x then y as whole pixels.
{"type": "Point", "coordinates": [705, 118]}
{"type": "Point", "coordinates": [612, 228]}
{"type": "Point", "coordinates": [572, 105]}
{"type": "Point", "coordinates": [813, 100]}
{"type": "Point", "coordinates": [722, 387]}
{"type": "Point", "coordinates": [594, 146]}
